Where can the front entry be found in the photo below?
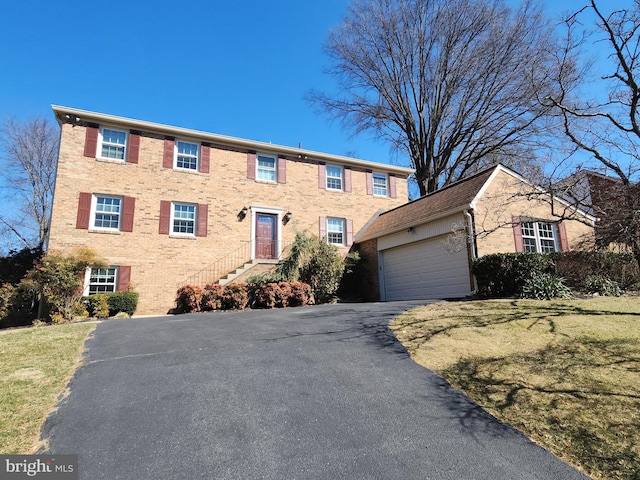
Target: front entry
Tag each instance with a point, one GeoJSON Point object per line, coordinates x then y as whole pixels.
{"type": "Point", "coordinates": [266, 235]}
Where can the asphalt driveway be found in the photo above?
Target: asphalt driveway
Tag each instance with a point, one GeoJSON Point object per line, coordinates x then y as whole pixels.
{"type": "Point", "coordinates": [322, 392]}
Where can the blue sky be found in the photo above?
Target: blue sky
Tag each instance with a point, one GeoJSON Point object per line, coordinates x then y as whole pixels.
{"type": "Point", "coordinates": [237, 68]}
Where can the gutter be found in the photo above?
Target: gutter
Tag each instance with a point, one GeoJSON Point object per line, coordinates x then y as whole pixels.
{"type": "Point", "coordinates": [75, 116]}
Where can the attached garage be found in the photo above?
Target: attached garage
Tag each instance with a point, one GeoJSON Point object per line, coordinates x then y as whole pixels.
{"type": "Point", "coordinates": [423, 270]}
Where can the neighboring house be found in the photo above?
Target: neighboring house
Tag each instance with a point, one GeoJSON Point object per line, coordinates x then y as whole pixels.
{"type": "Point", "coordinates": [166, 206]}
{"type": "Point", "coordinates": [603, 197]}
{"type": "Point", "coordinates": [424, 249]}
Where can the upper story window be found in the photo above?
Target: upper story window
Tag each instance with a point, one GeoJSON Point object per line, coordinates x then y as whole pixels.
{"type": "Point", "coordinates": [380, 186]}
{"type": "Point", "coordinates": [183, 219]}
{"type": "Point", "coordinates": [335, 231]}
{"type": "Point", "coordinates": [266, 168]}
{"type": "Point", "coordinates": [186, 155]}
{"type": "Point", "coordinates": [106, 212]}
{"type": "Point", "coordinates": [334, 177]}
{"type": "Point", "coordinates": [113, 144]}
{"type": "Point", "coordinates": [541, 237]}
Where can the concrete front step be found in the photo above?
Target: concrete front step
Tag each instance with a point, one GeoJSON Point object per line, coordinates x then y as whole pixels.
{"type": "Point", "coordinates": [254, 267]}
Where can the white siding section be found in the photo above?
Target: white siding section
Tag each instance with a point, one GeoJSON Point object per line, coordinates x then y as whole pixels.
{"type": "Point", "coordinates": [422, 232]}
{"type": "Point", "coordinates": [424, 270]}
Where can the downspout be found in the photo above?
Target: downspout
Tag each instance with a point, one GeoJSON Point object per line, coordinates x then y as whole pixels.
{"type": "Point", "coordinates": [472, 247]}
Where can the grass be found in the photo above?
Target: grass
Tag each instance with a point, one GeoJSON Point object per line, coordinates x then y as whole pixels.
{"type": "Point", "coordinates": [35, 366]}
{"type": "Point", "coordinates": [566, 373]}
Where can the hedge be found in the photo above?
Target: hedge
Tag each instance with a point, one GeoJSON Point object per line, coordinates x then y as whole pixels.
{"type": "Point", "coordinates": [126, 302]}
{"type": "Point", "coordinates": [238, 296]}
{"type": "Point", "coordinates": [506, 274]}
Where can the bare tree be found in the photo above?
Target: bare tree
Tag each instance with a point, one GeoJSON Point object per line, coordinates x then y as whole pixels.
{"type": "Point", "coordinates": [601, 120]}
{"type": "Point", "coordinates": [30, 151]}
{"type": "Point", "coordinates": [452, 83]}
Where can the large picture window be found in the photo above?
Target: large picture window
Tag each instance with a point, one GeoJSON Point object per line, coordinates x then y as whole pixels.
{"type": "Point", "coordinates": [541, 237]}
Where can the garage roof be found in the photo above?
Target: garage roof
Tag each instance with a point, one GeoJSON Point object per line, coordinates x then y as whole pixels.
{"type": "Point", "coordinates": [446, 201]}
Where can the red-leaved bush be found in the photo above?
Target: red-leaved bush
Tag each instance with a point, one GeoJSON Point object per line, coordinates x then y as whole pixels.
{"type": "Point", "coordinates": [237, 296]}
{"type": "Point", "coordinates": [189, 298]}
{"type": "Point", "coordinates": [211, 297]}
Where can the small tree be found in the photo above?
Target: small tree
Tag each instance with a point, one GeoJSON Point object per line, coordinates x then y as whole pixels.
{"type": "Point", "coordinates": [58, 279]}
{"type": "Point", "coordinates": [313, 261]}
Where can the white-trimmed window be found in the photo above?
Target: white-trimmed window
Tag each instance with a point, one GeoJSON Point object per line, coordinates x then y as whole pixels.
{"type": "Point", "coordinates": [106, 212]}
{"type": "Point", "coordinates": [334, 177]}
{"type": "Point", "coordinates": [113, 143]}
{"type": "Point", "coordinates": [183, 219]}
{"type": "Point", "coordinates": [541, 237]}
{"type": "Point", "coordinates": [380, 184]}
{"type": "Point", "coordinates": [102, 280]}
{"type": "Point", "coordinates": [266, 168]}
{"type": "Point", "coordinates": [186, 155]}
{"type": "Point", "coordinates": [335, 231]}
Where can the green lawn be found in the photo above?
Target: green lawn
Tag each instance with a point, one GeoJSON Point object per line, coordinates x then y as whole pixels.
{"type": "Point", "coordinates": [566, 373]}
{"type": "Point", "coordinates": [35, 366]}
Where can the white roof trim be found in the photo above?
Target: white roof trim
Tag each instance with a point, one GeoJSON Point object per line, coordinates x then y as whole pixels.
{"type": "Point", "coordinates": [96, 117]}
{"type": "Point", "coordinates": [517, 176]}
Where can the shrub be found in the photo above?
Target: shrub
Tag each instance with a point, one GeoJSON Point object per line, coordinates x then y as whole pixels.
{"type": "Point", "coordinates": [269, 295]}
{"type": "Point", "coordinates": [576, 266]}
{"type": "Point", "coordinates": [117, 302]}
{"type": "Point", "coordinates": [7, 292]}
{"type": "Point", "coordinates": [545, 287]}
{"type": "Point", "coordinates": [300, 294]}
{"type": "Point", "coordinates": [78, 310]}
{"type": "Point", "coordinates": [506, 274]}
{"type": "Point", "coordinates": [602, 286]}
{"type": "Point", "coordinates": [101, 307]}
{"type": "Point", "coordinates": [211, 297]}
{"type": "Point", "coordinates": [235, 296]}
{"type": "Point", "coordinates": [126, 302]}
{"type": "Point", "coordinates": [313, 261]}
{"type": "Point", "coordinates": [189, 298]}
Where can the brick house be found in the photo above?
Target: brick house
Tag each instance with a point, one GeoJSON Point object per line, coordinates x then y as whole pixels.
{"type": "Point", "coordinates": [424, 249]}
{"type": "Point", "coordinates": [166, 206]}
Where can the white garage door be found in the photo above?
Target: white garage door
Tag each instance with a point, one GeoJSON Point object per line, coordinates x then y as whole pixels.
{"type": "Point", "coordinates": [424, 270]}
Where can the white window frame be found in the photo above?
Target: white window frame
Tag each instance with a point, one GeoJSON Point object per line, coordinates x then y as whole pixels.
{"type": "Point", "coordinates": [537, 235]}
{"type": "Point", "coordinates": [266, 170]}
{"type": "Point", "coordinates": [102, 143]}
{"type": "Point", "coordinates": [193, 158]}
{"type": "Point", "coordinates": [88, 275]}
{"type": "Point", "coordinates": [95, 212]}
{"type": "Point", "coordinates": [339, 178]}
{"type": "Point", "coordinates": [174, 219]}
{"type": "Point", "coordinates": [331, 222]}
{"type": "Point", "coordinates": [383, 176]}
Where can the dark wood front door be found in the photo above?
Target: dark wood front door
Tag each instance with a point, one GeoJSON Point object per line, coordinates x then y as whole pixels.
{"type": "Point", "coordinates": [266, 235]}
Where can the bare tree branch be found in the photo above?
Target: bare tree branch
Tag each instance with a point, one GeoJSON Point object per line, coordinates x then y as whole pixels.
{"type": "Point", "coordinates": [453, 83]}
{"type": "Point", "coordinates": [602, 123]}
{"type": "Point", "coordinates": [29, 155]}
